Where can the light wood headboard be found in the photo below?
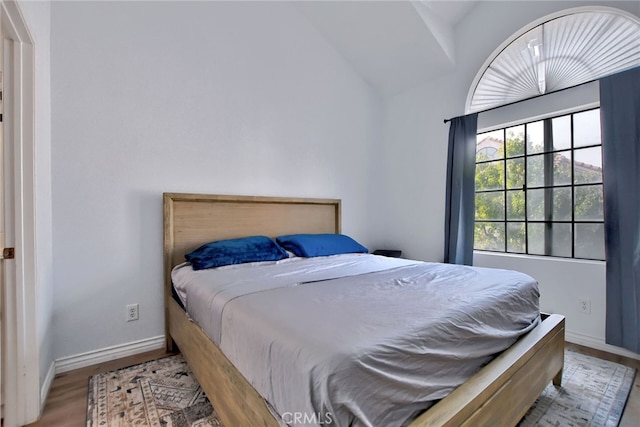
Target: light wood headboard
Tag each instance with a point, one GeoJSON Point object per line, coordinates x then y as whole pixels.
{"type": "Point", "coordinates": [191, 220]}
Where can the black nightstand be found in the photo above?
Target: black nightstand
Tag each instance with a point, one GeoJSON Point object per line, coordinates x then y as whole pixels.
{"type": "Point", "coordinates": [393, 253]}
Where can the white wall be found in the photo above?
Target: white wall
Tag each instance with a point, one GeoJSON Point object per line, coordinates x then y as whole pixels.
{"type": "Point", "coordinates": [215, 97]}
{"type": "Point", "coordinates": [415, 146]}
{"type": "Point", "coordinates": [38, 17]}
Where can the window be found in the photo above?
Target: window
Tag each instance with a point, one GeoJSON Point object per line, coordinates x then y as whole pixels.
{"type": "Point", "coordinates": [561, 50]}
{"type": "Point", "coordinates": [539, 188]}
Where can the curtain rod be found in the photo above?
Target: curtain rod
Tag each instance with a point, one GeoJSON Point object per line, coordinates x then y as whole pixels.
{"type": "Point", "coordinates": [527, 99]}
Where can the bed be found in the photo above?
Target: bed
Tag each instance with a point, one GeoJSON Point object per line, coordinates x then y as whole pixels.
{"type": "Point", "coordinates": [499, 394]}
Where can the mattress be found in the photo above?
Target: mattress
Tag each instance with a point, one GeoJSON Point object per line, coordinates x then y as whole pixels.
{"type": "Point", "coordinates": [357, 339]}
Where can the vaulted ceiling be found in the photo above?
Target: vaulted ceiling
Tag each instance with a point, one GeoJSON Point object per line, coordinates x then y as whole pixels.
{"type": "Point", "coordinates": [394, 45]}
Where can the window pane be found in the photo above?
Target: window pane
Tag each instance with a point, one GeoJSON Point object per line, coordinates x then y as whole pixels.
{"type": "Point", "coordinates": [515, 173]}
{"type": "Point", "coordinates": [561, 240]}
{"type": "Point", "coordinates": [515, 205]}
{"type": "Point", "coordinates": [587, 167]}
{"type": "Point", "coordinates": [589, 241]}
{"type": "Point", "coordinates": [490, 145]}
{"type": "Point", "coordinates": [562, 168]}
{"type": "Point", "coordinates": [535, 171]}
{"type": "Point", "coordinates": [559, 236]}
{"type": "Point", "coordinates": [516, 237]}
{"type": "Point", "coordinates": [586, 128]}
{"type": "Point", "coordinates": [535, 239]}
{"type": "Point", "coordinates": [489, 236]}
{"type": "Point", "coordinates": [561, 204]}
{"type": "Point", "coordinates": [588, 203]}
{"type": "Point", "coordinates": [490, 176]}
{"type": "Point", "coordinates": [515, 141]}
{"type": "Point", "coordinates": [561, 132]}
{"type": "Point", "coordinates": [490, 206]}
{"type": "Point", "coordinates": [535, 205]}
{"type": "Point", "coordinates": [535, 137]}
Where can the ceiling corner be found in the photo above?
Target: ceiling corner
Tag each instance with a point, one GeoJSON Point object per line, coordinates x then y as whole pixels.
{"type": "Point", "coordinates": [441, 30]}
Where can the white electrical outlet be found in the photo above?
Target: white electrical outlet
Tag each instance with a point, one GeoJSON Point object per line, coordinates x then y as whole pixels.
{"type": "Point", "coordinates": [132, 312]}
{"type": "Point", "coordinates": [585, 305]}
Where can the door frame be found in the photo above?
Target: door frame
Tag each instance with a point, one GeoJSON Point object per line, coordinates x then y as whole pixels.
{"type": "Point", "coordinates": [21, 359]}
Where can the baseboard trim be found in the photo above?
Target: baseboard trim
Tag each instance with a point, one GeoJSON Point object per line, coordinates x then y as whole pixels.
{"type": "Point", "coordinates": [598, 344]}
{"type": "Point", "coordinates": [46, 385]}
{"type": "Point", "coordinates": [89, 358]}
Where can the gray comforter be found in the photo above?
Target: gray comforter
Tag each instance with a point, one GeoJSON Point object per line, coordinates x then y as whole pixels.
{"type": "Point", "coordinates": [358, 339]}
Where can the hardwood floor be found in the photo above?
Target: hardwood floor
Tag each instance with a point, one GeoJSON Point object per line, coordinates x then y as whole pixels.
{"type": "Point", "coordinates": [67, 402]}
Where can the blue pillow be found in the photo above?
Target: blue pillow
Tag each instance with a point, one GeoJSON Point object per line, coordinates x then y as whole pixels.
{"type": "Point", "coordinates": [311, 245]}
{"type": "Point", "coordinates": [235, 251]}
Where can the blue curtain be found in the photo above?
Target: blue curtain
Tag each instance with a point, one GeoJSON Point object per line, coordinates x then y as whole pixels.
{"type": "Point", "coordinates": [459, 209]}
{"type": "Point", "coordinates": [620, 110]}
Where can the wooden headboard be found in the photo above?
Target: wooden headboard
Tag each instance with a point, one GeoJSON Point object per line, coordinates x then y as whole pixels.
{"type": "Point", "coordinates": [191, 220]}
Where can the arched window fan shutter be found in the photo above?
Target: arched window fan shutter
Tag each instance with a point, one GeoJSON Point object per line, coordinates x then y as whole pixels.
{"type": "Point", "coordinates": [575, 48]}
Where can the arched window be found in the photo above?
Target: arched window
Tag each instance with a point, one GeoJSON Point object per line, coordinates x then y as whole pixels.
{"type": "Point", "coordinates": [559, 51]}
{"type": "Point", "coordinates": [539, 182]}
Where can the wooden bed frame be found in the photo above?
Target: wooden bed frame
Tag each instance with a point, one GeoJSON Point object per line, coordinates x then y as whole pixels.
{"type": "Point", "coordinates": [498, 395]}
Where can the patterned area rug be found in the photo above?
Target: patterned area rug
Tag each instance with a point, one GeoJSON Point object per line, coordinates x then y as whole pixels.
{"type": "Point", "coordinates": [594, 393]}
{"type": "Point", "coordinates": [164, 392]}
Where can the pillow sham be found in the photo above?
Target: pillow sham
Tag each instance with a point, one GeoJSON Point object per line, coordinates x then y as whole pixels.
{"type": "Point", "coordinates": [312, 245]}
{"type": "Point", "coordinates": [235, 251]}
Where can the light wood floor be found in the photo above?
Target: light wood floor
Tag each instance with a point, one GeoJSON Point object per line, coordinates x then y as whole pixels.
{"type": "Point", "coordinates": [67, 402]}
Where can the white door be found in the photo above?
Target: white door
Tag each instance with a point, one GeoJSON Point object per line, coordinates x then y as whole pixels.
{"type": "Point", "coordinates": [2, 281]}
{"type": "Point", "coordinates": [20, 372]}
{"type": "Point", "coordinates": [8, 320]}
{"type": "Point", "coordinates": [1, 222]}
